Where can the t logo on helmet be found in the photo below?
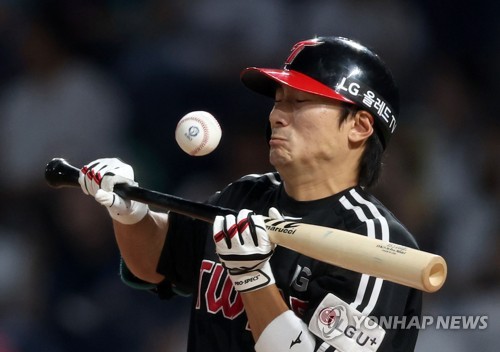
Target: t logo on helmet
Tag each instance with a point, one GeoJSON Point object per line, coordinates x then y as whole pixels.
{"type": "Point", "coordinates": [297, 48]}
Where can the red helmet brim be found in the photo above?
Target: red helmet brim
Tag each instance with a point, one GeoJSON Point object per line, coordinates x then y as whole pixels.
{"type": "Point", "coordinates": [263, 80]}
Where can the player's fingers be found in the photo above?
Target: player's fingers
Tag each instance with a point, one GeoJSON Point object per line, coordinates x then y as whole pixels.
{"type": "Point", "coordinates": [91, 176]}
{"type": "Point", "coordinates": [105, 198]}
{"type": "Point", "coordinates": [275, 214]}
{"type": "Point", "coordinates": [252, 228]}
{"type": "Point", "coordinates": [83, 182]}
{"type": "Point", "coordinates": [218, 227]}
{"type": "Point", "coordinates": [246, 228]}
{"type": "Point", "coordinates": [109, 180]}
{"type": "Point", "coordinates": [230, 229]}
{"type": "Point", "coordinates": [224, 228]}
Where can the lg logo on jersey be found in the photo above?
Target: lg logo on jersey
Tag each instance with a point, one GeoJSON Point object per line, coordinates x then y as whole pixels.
{"type": "Point", "coordinates": [301, 277]}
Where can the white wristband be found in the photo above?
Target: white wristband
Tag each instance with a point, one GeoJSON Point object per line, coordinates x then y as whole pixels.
{"type": "Point", "coordinates": [286, 333]}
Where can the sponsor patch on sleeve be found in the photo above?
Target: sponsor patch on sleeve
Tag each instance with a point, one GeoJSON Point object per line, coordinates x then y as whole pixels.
{"type": "Point", "coordinates": [344, 327]}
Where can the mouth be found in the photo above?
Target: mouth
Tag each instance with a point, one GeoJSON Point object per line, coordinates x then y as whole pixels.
{"type": "Point", "coordinates": [276, 135]}
{"type": "Point", "coordinates": [276, 140]}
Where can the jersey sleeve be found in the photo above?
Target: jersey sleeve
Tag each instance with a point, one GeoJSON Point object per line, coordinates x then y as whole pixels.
{"type": "Point", "coordinates": [183, 252]}
{"type": "Point", "coordinates": [180, 257]}
{"type": "Point", "coordinates": [179, 260]}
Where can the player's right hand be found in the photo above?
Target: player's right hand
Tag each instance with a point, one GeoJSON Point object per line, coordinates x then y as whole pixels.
{"type": "Point", "coordinates": [98, 179]}
{"type": "Point", "coordinates": [244, 249]}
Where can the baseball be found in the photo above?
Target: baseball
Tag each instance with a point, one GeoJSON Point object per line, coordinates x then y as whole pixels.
{"type": "Point", "coordinates": [198, 133]}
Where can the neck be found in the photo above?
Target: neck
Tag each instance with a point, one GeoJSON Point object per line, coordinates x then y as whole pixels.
{"type": "Point", "coordinates": [317, 183]}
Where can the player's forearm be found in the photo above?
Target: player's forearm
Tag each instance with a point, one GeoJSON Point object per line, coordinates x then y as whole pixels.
{"type": "Point", "coordinates": [274, 326]}
{"type": "Point", "coordinates": [262, 307]}
{"type": "Point", "coordinates": [141, 244]}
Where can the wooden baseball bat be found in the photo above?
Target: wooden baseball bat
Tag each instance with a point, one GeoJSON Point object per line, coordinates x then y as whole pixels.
{"type": "Point", "coordinates": [393, 262]}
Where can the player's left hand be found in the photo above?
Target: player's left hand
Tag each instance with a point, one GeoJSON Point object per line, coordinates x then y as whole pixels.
{"type": "Point", "coordinates": [99, 178]}
{"type": "Point", "coordinates": [244, 248]}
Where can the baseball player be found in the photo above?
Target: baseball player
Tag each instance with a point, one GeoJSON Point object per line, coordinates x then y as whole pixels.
{"type": "Point", "coordinates": [335, 109]}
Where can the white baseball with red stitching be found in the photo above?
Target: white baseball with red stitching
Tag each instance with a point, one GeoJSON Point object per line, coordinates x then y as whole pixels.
{"type": "Point", "coordinates": [198, 133]}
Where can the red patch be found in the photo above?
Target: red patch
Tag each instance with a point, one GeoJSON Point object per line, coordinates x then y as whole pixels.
{"type": "Point", "coordinates": [297, 48]}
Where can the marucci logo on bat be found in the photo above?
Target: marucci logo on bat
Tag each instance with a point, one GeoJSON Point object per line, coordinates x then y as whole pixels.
{"type": "Point", "coordinates": [281, 226]}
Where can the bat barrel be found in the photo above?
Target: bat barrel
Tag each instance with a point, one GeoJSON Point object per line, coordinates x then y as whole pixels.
{"type": "Point", "coordinates": [434, 276]}
{"type": "Point", "coordinates": [414, 268]}
{"type": "Point", "coordinates": [389, 261]}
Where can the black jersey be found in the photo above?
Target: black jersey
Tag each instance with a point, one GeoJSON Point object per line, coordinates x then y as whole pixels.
{"type": "Point", "coordinates": [218, 321]}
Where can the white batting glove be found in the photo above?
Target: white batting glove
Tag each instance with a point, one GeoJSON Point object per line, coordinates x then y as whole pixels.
{"type": "Point", "coordinates": [244, 248]}
{"type": "Point", "coordinates": [98, 179]}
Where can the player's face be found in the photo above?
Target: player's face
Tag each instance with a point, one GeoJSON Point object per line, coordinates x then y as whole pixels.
{"type": "Point", "coordinates": [306, 130]}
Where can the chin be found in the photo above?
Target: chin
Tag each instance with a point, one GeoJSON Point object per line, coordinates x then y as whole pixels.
{"type": "Point", "coordinates": [279, 160]}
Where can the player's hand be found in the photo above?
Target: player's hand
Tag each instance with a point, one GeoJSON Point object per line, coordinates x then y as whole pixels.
{"type": "Point", "coordinates": [98, 179]}
{"type": "Point", "coordinates": [244, 248]}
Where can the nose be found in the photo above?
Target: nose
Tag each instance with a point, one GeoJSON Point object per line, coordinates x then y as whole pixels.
{"type": "Point", "coordinates": [279, 117]}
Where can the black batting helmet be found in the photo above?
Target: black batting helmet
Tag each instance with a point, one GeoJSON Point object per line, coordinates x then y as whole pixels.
{"type": "Point", "coordinates": [337, 68]}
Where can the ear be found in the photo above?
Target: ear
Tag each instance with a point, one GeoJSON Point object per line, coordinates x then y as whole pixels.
{"type": "Point", "coordinates": [361, 127]}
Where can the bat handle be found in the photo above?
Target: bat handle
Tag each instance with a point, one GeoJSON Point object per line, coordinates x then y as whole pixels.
{"type": "Point", "coordinates": [59, 173]}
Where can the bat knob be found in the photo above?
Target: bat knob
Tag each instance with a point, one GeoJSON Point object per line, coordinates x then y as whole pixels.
{"type": "Point", "coordinates": [58, 173]}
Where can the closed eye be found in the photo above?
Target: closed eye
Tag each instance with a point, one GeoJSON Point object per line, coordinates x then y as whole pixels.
{"type": "Point", "coordinates": [301, 100]}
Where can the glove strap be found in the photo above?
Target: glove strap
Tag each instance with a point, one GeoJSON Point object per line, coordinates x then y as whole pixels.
{"type": "Point", "coordinates": [253, 280]}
